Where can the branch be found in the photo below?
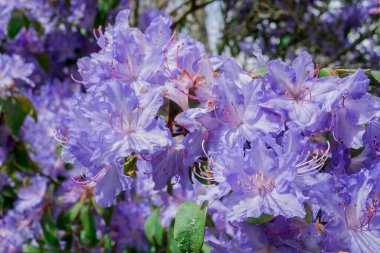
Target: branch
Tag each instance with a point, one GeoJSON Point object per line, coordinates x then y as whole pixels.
{"type": "Point", "coordinates": [193, 7]}
{"type": "Point", "coordinates": [179, 7]}
{"type": "Point", "coordinates": [136, 13]}
{"type": "Point", "coordinates": [350, 47]}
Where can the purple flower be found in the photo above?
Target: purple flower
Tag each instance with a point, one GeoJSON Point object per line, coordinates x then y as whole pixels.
{"type": "Point", "coordinates": [260, 181]}
{"type": "Point", "coordinates": [14, 68]}
{"type": "Point", "coordinates": [355, 225]}
{"type": "Point", "coordinates": [349, 117]}
{"type": "Point", "coordinates": [14, 231]}
{"type": "Point", "coordinates": [30, 196]}
{"type": "Point", "coordinates": [239, 108]}
{"type": "Point", "coordinates": [108, 127]}
{"type": "Point", "coordinates": [128, 224]}
{"type": "Point", "coordinates": [169, 163]}
{"type": "Point", "coordinates": [297, 94]}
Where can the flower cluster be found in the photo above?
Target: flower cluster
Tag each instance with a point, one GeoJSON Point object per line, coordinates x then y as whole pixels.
{"type": "Point", "coordinates": [278, 140]}
{"type": "Point", "coordinates": [284, 157]}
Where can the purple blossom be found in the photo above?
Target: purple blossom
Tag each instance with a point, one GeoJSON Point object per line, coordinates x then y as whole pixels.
{"type": "Point", "coordinates": [14, 68]}
{"type": "Point", "coordinates": [30, 196]}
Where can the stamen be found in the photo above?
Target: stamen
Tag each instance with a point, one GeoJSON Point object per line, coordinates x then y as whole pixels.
{"type": "Point", "coordinates": [315, 164]}
{"type": "Point", "coordinates": [155, 158]}
{"type": "Point", "coordinates": [59, 137]}
{"type": "Point", "coordinates": [76, 80]}
{"type": "Point", "coordinates": [85, 181]}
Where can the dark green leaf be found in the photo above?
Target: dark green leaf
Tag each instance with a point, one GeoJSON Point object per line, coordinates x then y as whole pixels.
{"type": "Point", "coordinates": [356, 152]}
{"type": "Point", "coordinates": [189, 226]}
{"type": "Point", "coordinates": [308, 217]}
{"type": "Point", "coordinates": [63, 221]}
{"type": "Point", "coordinates": [44, 60]}
{"type": "Point", "coordinates": [20, 158]}
{"type": "Point", "coordinates": [16, 23]}
{"type": "Point", "coordinates": [15, 110]}
{"type": "Point", "coordinates": [49, 229]}
{"type": "Point", "coordinates": [27, 106]}
{"type": "Point", "coordinates": [169, 188]}
{"type": "Point", "coordinates": [263, 218]}
{"type": "Point", "coordinates": [9, 192]}
{"type": "Point", "coordinates": [68, 166]}
{"type": "Point", "coordinates": [153, 228]}
{"type": "Point", "coordinates": [192, 102]}
{"type": "Point", "coordinates": [202, 168]}
{"type": "Point", "coordinates": [88, 234]}
{"type": "Point", "coordinates": [1, 205]}
{"type": "Point", "coordinates": [37, 26]}
{"type": "Point", "coordinates": [14, 114]}
{"type": "Point", "coordinates": [105, 212]}
{"type": "Point", "coordinates": [130, 166]}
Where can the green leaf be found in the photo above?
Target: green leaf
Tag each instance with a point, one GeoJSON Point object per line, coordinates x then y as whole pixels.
{"type": "Point", "coordinates": [37, 26]}
{"type": "Point", "coordinates": [1, 205]}
{"type": "Point", "coordinates": [193, 103]}
{"type": "Point", "coordinates": [259, 72]}
{"type": "Point", "coordinates": [15, 109]}
{"type": "Point", "coordinates": [88, 234]}
{"type": "Point", "coordinates": [63, 221]}
{"type": "Point", "coordinates": [324, 72]}
{"type": "Point", "coordinates": [49, 229]}
{"type": "Point", "coordinates": [27, 106]}
{"type": "Point", "coordinates": [16, 23]}
{"type": "Point", "coordinates": [153, 228]}
{"type": "Point", "coordinates": [20, 158]}
{"type": "Point", "coordinates": [376, 75]}
{"type": "Point", "coordinates": [169, 188]}
{"type": "Point", "coordinates": [189, 226]}
{"type": "Point", "coordinates": [206, 248]}
{"type": "Point", "coordinates": [356, 152]}
{"type": "Point", "coordinates": [9, 192]}
{"type": "Point", "coordinates": [74, 211]}
{"type": "Point", "coordinates": [68, 166]}
{"type": "Point", "coordinates": [285, 40]}
{"type": "Point", "coordinates": [104, 6]}
{"type": "Point", "coordinates": [107, 242]}
{"type": "Point", "coordinates": [29, 248]}
{"type": "Point", "coordinates": [105, 212]}
{"type": "Point", "coordinates": [199, 169]}
{"type": "Point", "coordinates": [262, 219]}
{"type": "Point", "coordinates": [14, 114]}
{"type": "Point", "coordinates": [44, 60]}
{"type": "Point", "coordinates": [130, 166]}
{"type": "Point", "coordinates": [172, 243]}
{"type": "Point", "coordinates": [308, 217]}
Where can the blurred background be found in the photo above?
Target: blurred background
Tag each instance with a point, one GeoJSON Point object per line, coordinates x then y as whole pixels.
{"type": "Point", "coordinates": [336, 32]}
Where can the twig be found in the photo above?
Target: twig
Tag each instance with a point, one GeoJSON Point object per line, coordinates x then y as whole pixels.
{"type": "Point", "coordinates": [350, 47]}
{"type": "Point", "coordinates": [193, 7]}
